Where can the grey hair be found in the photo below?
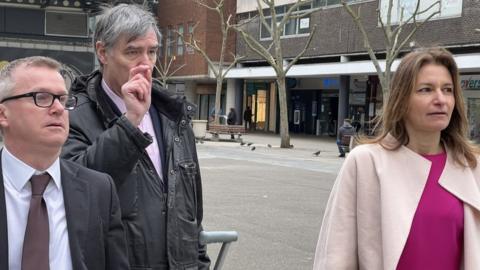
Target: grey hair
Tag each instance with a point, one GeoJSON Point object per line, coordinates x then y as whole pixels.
{"type": "Point", "coordinates": [7, 84]}
{"type": "Point", "coordinates": [131, 21]}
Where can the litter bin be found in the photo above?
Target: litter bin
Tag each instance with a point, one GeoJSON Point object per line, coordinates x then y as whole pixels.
{"type": "Point", "coordinates": [199, 128]}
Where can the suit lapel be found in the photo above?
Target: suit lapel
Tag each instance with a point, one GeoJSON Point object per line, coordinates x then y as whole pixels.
{"type": "Point", "coordinates": [3, 224]}
{"type": "Point", "coordinates": [75, 196]}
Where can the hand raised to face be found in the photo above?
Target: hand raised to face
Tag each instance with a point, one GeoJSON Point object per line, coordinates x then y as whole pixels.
{"type": "Point", "coordinates": [136, 93]}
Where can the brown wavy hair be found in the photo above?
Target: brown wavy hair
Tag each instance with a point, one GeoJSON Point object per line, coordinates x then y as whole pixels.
{"type": "Point", "coordinates": [454, 136]}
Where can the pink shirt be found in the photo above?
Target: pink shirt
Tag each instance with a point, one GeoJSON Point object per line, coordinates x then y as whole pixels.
{"type": "Point", "coordinates": [436, 236]}
{"type": "Point", "coordinates": [146, 125]}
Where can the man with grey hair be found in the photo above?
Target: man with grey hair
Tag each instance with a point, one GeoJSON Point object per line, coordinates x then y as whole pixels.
{"type": "Point", "coordinates": [54, 213]}
{"type": "Point", "coordinates": [126, 125]}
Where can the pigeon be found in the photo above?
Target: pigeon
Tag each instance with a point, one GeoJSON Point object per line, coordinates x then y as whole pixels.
{"type": "Point", "coordinates": [317, 153]}
{"type": "Point", "coordinates": [249, 143]}
{"type": "Point", "coordinates": [242, 143]}
{"type": "Point", "coordinates": [253, 148]}
{"type": "Point", "coordinates": [269, 145]}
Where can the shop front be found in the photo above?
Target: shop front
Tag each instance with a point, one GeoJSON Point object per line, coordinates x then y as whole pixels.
{"type": "Point", "coordinates": [261, 97]}
{"type": "Point", "coordinates": [471, 91]}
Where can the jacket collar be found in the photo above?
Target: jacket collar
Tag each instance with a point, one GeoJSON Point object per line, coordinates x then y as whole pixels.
{"type": "Point", "coordinates": [462, 182]}
{"type": "Point", "coordinates": [412, 169]}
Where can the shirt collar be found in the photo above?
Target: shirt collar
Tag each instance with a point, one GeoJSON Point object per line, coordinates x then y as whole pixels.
{"type": "Point", "coordinates": [114, 97]}
{"type": "Point", "coordinates": [20, 173]}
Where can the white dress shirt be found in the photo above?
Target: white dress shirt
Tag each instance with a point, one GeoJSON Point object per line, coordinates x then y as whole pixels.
{"type": "Point", "coordinates": [18, 191]}
{"type": "Point", "coordinates": [145, 125]}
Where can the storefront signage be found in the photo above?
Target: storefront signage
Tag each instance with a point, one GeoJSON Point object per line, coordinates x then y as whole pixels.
{"type": "Point", "coordinates": [330, 83]}
{"type": "Point", "coordinates": [471, 82]}
{"type": "Point", "coordinates": [304, 23]}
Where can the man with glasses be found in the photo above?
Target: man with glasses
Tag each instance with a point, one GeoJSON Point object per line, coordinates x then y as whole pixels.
{"type": "Point", "coordinates": [126, 125]}
{"type": "Point", "coordinates": [54, 214]}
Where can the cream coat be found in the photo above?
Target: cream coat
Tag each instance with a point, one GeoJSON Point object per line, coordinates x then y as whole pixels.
{"type": "Point", "coordinates": [372, 204]}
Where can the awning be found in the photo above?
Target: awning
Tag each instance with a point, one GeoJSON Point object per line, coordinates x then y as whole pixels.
{"type": "Point", "coordinates": [465, 62]}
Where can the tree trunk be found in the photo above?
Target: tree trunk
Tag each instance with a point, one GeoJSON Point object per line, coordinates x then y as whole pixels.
{"type": "Point", "coordinates": [282, 98]}
{"type": "Point", "coordinates": [218, 99]}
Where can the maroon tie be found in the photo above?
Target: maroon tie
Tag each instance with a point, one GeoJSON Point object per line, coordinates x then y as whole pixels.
{"type": "Point", "coordinates": [35, 243]}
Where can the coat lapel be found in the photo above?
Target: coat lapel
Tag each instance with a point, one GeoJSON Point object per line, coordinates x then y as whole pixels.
{"type": "Point", "coordinates": [401, 201]}
{"type": "Point", "coordinates": [402, 185]}
{"type": "Point", "coordinates": [461, 182]}
{"type": "Point", "coordinates": [75, 196]}
{"type": "Point", "coordinates": [3, 224]}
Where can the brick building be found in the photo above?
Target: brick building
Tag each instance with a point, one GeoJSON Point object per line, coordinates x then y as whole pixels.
{"type": "Point", "coordinates": [194, 79]}
{"type": "Point", "coordinates": [335, 78]}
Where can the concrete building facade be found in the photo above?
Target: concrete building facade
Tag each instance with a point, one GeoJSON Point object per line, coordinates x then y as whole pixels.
{"type": "Point", "coordinates": [335, 79]}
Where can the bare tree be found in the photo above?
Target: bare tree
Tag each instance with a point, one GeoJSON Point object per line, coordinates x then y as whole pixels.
{"type": "Point", "coordinates": [219, 69]}
{"type": "Point", "coordinates": [164, 66]}
{"type": "Point", "coordinates": [273, 54]}
{"type": "Point", "coordinates": [395, 38]}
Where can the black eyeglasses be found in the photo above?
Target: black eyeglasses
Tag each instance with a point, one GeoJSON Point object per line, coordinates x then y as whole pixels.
{"type": "Point", "coordinates": [45, 99]}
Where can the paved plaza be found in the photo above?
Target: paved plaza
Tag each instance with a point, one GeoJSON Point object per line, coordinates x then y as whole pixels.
{"type": "Point", "coordinates": [274, 198]}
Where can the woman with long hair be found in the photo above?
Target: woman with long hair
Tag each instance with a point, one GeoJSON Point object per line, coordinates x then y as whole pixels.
{"type": "Point", "coordinates": [409, 198]}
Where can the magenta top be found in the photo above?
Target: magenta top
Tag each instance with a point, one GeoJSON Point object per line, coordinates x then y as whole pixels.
{"type": "Point", "coordinates": [436, 236]}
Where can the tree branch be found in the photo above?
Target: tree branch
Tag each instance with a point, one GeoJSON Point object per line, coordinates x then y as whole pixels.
{"type": "Point", "coordinates": [201, 3]}
{"type": "Point", "coordinates": [366, 39]}
{"type": "Point", "coordinates": [257, 47]}
{"type": "Point", "coordinates": [312, 33]}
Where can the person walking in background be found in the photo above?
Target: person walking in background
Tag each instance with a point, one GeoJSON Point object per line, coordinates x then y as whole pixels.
{"type": "Point", "coordinates": [126, 125]}
{"type": "Point", "coordinates": [247, 117]}
{"type": "Point", "coordinates": [410, 197]}
{"type": "Point", "coordinates": [231, 119]}
{"type": "Point", "coordinates": [345, 132]}
{"type": "Point", "coordinates": [54, 214]}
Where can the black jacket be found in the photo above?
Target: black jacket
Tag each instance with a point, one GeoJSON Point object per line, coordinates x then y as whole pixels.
{"type": "Point", "coordinates": [162, 219]}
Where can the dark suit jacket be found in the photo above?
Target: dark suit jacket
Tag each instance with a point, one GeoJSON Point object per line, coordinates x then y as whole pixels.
{"type": "Point", "coordinates": [95, 231]}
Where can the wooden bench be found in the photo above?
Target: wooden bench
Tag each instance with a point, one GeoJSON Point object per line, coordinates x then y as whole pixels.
{"type": "Point", "coordinates": [216, 130]}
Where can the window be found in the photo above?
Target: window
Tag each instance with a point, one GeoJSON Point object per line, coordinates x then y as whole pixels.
{"type": "Point", "coordinates": [191, 25]}
{"type": "Point", "coordinates": [169, 41]}
{"type": "Point", "coordinates": [291, 27]}
{"type": "Point", "coordinates": [161, 47]}
{"type": "Point", "coordinates": [447, 8]}
{"type": "Point", "coordinates": [324, 3]}
{"type": "Point", "coordinates": [180, 40]}
{"type": "Point", "coordinates": [295, 26]}
{"type": "Point", "coordinates": [65, 24]}
{"type": "Point", "coordinates": [264, 32]}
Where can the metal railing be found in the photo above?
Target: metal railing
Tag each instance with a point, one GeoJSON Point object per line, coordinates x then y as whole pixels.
{"type": "Point", "coordinates": [224, 237]}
